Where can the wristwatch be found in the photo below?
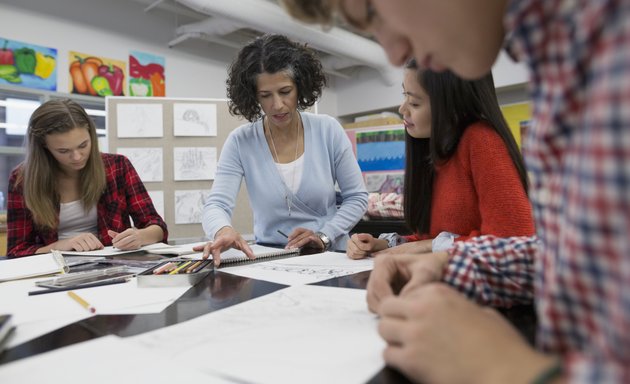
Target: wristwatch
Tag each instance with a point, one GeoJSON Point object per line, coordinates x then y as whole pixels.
{"type": "Point", "coordinates": [325, 240]}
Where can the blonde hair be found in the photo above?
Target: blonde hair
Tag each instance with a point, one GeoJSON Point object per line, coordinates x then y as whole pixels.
{"type": "Point", "coordinates": [39, 171]}
{"type": "Point", "coordinates": [313, 11]}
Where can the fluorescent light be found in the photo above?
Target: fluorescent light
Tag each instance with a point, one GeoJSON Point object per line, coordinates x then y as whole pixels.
{"type": "Point", "coordinates": [95, 112]}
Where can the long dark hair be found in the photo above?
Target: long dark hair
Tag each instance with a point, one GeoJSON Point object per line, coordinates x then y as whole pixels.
{"type": "Point", "coordinates": [272, 53]}
{"type": "Point", "coordinates": [455, 104]}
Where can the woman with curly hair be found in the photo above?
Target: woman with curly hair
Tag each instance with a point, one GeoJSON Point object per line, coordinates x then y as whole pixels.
{"type": "Point", "coordinates": [271, 82]}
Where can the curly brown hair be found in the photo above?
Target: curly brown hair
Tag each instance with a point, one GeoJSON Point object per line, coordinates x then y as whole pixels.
{"type": "Point", "coordinates": [272, 53]}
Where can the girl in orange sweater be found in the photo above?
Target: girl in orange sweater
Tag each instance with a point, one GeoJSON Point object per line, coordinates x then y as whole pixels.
{"type": "Point", "coordinates": [464, 174]}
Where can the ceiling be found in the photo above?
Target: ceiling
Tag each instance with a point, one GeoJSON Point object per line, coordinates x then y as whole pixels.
{"type": "Point", "coordinates": [232, 23]}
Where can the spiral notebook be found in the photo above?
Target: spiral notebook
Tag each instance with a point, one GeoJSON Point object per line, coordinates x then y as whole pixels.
{"type": "Point", "coordinates": [234, 256]}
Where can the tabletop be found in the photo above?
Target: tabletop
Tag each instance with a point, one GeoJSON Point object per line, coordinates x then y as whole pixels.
{"type": "Point", "coordinates": [218, 290]}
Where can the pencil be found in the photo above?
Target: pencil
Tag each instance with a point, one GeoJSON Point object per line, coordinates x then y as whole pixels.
{"type": "Point", "coordinates": [163, 268]}
{"type": "Point", "coordinates": [283, 234]}
{"type": "Point", "coordinates": [81, 301]}
{"type": "Point", "coordinates": [176, 270]}
{"type": "Point", "coordinates": [202, 266]}
{"type": "Point", "coordinates": [192, 267]}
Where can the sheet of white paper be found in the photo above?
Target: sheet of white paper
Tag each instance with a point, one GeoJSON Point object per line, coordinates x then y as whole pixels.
{"type": "Point", "coordinates": [39, 314]}
{"type": "Point", "coordinates": [194, 163]}
{"type": "Point", "coordinates": [147, 162]}
{"type": "Point", "coordinates": [308, 334]}
{"type": "Point", "coordinates": [303, 269]}
{"type": "Point", "coordinates": [194, 119]}
{"type": "Point", "coordinates": [188, 205]}
{"type": "Point", "coordinates": [139, 120]}
{"type": "Point", "coordinates": [104, 360]}
{"type": "Point", "coordinates": [157, 198]}
{"type": "Point", "coordinates": [128, 298]}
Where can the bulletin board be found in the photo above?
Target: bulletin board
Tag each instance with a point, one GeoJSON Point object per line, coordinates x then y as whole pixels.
{"type": "Point", "coordinates": [176, 162]}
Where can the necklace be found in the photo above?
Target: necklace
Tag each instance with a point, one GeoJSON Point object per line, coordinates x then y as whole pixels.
{"type": "Point", "coordinates": [288, 194]}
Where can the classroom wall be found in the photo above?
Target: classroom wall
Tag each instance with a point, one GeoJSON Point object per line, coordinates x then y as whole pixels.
{"type": "Point", "coordinates": [193, 69]}
{"type": "Point", "coordinates": [114, 27]}
{"type": "Point", "coordinates": [366, 91]}
{"type": "Point", "coordinates": [106, 30]}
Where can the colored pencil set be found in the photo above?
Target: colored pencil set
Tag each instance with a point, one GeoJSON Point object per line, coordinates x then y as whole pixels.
{"type": "Point", "coordinates": [179, 267]}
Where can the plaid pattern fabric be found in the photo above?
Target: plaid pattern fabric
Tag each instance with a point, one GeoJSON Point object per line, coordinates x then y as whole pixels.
{"type": "Point", "coordinates": [125, 196]}
{"type": "Point", "coordinates": [578, 153]}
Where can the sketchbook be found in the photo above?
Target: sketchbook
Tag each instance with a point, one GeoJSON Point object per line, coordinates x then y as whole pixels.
{"type": "Point", "coordinates": [33, 266]}
{"type": "Point", "coordinates": [233, 256]}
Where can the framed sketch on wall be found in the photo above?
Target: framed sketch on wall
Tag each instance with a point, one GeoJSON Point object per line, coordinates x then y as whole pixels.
{"type": "Point", "coordinates": [177, 169]}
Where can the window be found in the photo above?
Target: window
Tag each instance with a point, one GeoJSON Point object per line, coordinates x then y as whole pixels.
{"type": "Point", "coordinates": [16, 107]}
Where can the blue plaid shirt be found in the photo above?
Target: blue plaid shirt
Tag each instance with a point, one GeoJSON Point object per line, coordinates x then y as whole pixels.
{"type": "Point", "coordinates": [578, 154]}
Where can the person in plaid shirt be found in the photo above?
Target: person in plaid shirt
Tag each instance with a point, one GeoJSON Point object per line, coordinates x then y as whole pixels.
{"type": "Point", "coordinates": [577, 151]}
{"type": "Point", "coordinates": [67, 195]}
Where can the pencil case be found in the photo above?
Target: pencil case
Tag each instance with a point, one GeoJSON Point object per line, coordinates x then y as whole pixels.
{"type": "Point", "coordinates": [149, 279]}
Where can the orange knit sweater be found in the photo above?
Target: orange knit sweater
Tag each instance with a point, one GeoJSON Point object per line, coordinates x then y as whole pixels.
{"type": "Point", "coordinates": [478, 191]}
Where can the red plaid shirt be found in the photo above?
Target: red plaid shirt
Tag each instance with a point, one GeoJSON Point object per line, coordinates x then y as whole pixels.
{"type": "Point", "coordinates": [125, 196]}
{"type": "Point", "coordinates": [578, 153]}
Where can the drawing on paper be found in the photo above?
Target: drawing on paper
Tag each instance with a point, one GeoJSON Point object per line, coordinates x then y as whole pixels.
{"type": "Point", "coordinates": [194, 163]}
{"type": "Point", "coordinates": [139, 120]}
{"type": "Point", "coordinates": [194, 119]}
{"type": "Point", "coordinates": [188, 205]}
{"type": "Point", "coordinates": [147, 162]}
{"type": "Point", "coordinates": [157, 197]}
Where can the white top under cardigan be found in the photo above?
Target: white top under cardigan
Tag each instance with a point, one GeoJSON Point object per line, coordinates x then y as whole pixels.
{"type": "Point", "coordinates": [328, 158]}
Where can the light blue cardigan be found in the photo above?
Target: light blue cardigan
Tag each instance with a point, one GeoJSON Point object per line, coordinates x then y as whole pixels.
{"type": "Point", "coordinates": [328, 157]}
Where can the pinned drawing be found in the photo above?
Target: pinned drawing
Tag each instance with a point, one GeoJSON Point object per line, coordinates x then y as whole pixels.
{"type": "Point", "coordinates": [147, 162]}
{"type": "Point", "coordinates": [157, 197]}
{"type": "Point", "coordinates": [188, 205]}
{"type": "Point", "coordinates": [139, 120]}
{"type": "Point", "coordinates": [194, 119]}
{"type": "Point", "coordinates": [194, 163]}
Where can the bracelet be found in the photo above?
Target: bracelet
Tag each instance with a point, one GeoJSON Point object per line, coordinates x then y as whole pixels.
{"type": "Point", "coordinates": [549, 374]}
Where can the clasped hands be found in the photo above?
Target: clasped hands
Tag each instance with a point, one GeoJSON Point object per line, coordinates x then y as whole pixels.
{"type": "Point", "coordinates": [436, 335]}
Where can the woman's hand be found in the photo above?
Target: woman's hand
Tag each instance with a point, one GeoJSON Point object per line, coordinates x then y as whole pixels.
{"type": "Point", "coordinates": [126, 240]}
{"type": "Point", "coordinates": [302, 237]}
{"type": "Point", "coordinates": [226, 237]}
{"type": "Point", "coordinates": [363, 244]}
{"type": "Point", "coordinates": [412, 247]}
{"type": "Point", "coordinates": [81, 242]}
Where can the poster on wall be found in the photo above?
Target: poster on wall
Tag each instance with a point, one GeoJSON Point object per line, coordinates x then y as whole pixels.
{"type": "Point", "coordinates": [96, 76]}
{"type": "Point", "coordinates": [381, 149]}
{"type": "Point", "coordinates": [384, 182]}
{"type": "Point", "coordinates": [518, 117]}
{"type": "Point", "coordinates": [146, 74]}
{"type": "Point", "coordinates": [28, 65]}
